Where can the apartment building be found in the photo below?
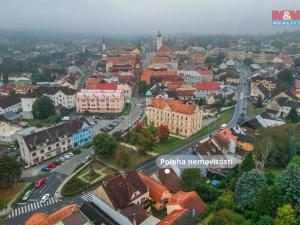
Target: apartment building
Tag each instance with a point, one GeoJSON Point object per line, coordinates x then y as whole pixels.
{"type": "Point", "coordinates": [45, 144]}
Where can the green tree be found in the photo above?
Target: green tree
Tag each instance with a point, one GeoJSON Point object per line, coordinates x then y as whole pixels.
{"type": "Point", "coordinates": [292, 117]}
{"type": "Point", "coordinates": [10, 170]}
{"type": "Point", "coordinates": [265, 220]}
{"type": "Point", "coordinates": [285, 81]}
{"type": "Point", "coordinates": [191, 179]}
{"type": "Point", "coordinates": [152, 128]}
{"type": "Point", "coordinates": [272, 196]}
{"type": "Point", "coordinates": [248, 163]}
{"type": "Point", "coordinates": [5, 78]}
{"type": "Point", "coordinates": [248, 61]}
{"type": "Point", "coordinates": [247, 187]}
{"type": "Point", "coordinates": [292, 147]}
{"type": "Point", "coordinates": [285, 215]}
{"type": "Point", "coordinates": [289, 183]}
{"type": "Point", "coordinates": [43, 107]}
{"type": "Point", "coordinates": [142, 87]}
{"type": "Point", "coordinates": [122, 157]}
{"type": "Point", "coordinates": [104, 144]}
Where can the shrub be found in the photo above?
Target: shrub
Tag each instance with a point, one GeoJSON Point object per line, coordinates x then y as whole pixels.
{"type": "Point", "coordinates": [73, 186]}
{"type": "Point", "coordinates": [76, 151]}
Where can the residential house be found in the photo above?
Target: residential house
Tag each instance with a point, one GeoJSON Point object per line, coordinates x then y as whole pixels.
{"type": "Point", "coordinates": [70, 214]}
{"type": "Point", "coordinates": [185, 93]}
{"type": "Point", "coordinates": [205, 89]}
{"type": "Point", "coordinates": [121, 191]}
{"type": "Point", "coordinates": [205, 73]}
{"type": "Point", "coordinates": [169, 179]}
{"type": "Point", "coordinates": [186, 200]}
{"type": "Point", "coordinates": [268, 82]}
{"type": "Point", "coordinates": [50, 142]}
{"type": "Point", "coordinates": [190, 76]}
{"type": "Point", "coordinates": [244, 141]}
{"type": "Point", "coordinates": [183, 119]}
{"type": "Point", "coordinates": [178, 217]}
{"type": "Point", "coordinates": [63, 96]}
{"type": "Point", "coordinates": [10, 103]}
{"type": "Point", "coordinates": [157, 192]}
{"type": "Point", "coordinates": [282, 103]}
{"type": "Point", "coordinates": [153, 76]}
{"type": "Point", "coordinates": [266, 120]}
{"type": "Point", "coordinates": [260, 91]}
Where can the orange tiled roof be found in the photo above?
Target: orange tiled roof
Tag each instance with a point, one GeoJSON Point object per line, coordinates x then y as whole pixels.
{"type": "Point", "coordinates": [226, 133]}
{"type": "Point", "coordinates": [156, 189]}
{"type": "Point", "coordinates": [188, 200]}
{"type": "Point", "coordinates": [44, 219]}
{"type": "Point", "coordinates": [147, 74]}
{"type": "Point", "coordinates": [172, 217]}
{"type": "Point", "coordinates": [175, 105]}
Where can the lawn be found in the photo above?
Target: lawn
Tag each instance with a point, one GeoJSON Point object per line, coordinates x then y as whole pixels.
{"type": "Point", "coordinates": [52, 120]}
{"type": "Point", "coordinates": [254, 111]}
{"type": "Point", "coordinates": [6, 194]}
{"type": "Point", "coordinates": [134, 158]}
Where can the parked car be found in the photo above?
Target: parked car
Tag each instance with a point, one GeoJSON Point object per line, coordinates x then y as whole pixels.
{"type": "Point", "coordinates": [62, 159]}
{"type": "Point", "coordinates": [45, 169]}
{"type": "Point", "coordinates": [57, 162]}
{"type": "Point", "coordinates": [66, 156]}
{"type": "Point", "coordinates": [70, 154]}
{"type": "Point", "coordinates": [27, 195]}
{"type": "Point", "coordinates": [40, 183]}
{"type": "Point", "coordinates": [52, 166]}
{"type": "Point", "coordinates": [45, 198]}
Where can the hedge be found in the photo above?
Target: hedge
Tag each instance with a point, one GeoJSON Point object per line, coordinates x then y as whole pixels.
{"type": "Point", "coordinates": [73, 186]}
{"type": "Point", "coordinates": [20, 196]}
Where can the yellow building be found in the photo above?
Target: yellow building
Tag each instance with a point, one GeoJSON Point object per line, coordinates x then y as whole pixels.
{"type": "Point", "coordinates": [183, 119]}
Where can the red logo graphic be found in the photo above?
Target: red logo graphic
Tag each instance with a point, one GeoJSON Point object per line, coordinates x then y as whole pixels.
{"type": "Point", "coordinates": [286, 15]}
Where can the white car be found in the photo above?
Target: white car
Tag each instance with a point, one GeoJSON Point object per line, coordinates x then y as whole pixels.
{"type": "Point", "coordinates": [45, 198]}
{"type": "Point", "coordinates": [66, 156]}
{"type": "Point", "coordinates": [70, 154]}
{"type": "Point", "coordinates": [62, 159]}
{"type": "Point", "coordinates": [27, 195]}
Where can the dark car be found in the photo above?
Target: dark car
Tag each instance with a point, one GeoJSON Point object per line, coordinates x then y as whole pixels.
{"type": "Point", "coordinates": [45, 169]}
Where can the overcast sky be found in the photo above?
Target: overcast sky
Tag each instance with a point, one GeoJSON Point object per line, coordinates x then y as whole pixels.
{"type": "Point", "coordinates": [143, 16]}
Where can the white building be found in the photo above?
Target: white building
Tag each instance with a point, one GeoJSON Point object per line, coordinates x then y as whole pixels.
{"type": "Point", "coordinates": [10, 103]}
{"type": "Point", "coordinates": [127, 90]}
{"type": "Point", "coordinates": [59, 95]}
{"type": "Point", "coordinates": [190, 76]}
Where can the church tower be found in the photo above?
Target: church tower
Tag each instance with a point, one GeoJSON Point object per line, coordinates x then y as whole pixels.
{"type": "Point", "coordinates": [158, 41]}
{"type": "Point", "coordinates": [103, 44]}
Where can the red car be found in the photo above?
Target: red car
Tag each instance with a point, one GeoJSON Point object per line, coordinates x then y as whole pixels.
{"type": "Point", "coordinates": [40, 183]}
{"type": "Point", "coordinates": [51, 166]}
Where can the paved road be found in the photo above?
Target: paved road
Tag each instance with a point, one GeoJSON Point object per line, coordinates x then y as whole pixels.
{"type": "Point", "coordinates": [150, 166]}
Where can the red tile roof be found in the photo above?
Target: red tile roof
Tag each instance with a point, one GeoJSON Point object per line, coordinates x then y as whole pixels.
{"type": "Point", "coordinates": [204, 71]}
{"type": "Point", "coordinates": [54, 218]}
{"type": "Point", "coordinates": [156, 190]}
{"type": "Point", "coordinates": [173, 217]}
{"type": "Point", "coordinates": [102, 86]}
{"type": "Point", "coordinates": [175, 105]}
{"type": "Point", "coordinates": [188, 200]}
{"type": "Point", "coordinates": [147, 74]}
{"type": "Point", "coordinates": [170, 180]}
{"type": "Point", "coordinates": [207, 86]}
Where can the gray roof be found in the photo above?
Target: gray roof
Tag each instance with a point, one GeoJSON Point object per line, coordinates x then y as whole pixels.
{"type": "Point", "coordinates": [11, 116]}
{"type": "Point", "coordinates": [7, 101]}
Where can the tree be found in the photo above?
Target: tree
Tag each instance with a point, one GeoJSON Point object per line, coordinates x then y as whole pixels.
{"type": "Point", "coordinates": [10, 170]}
{"type": "Point", "coordinates": [292, 147]}
{"type": "Point", "coordinates": [248, 61]}
{"type": "Point", "coordinates": [105, 145]}
{"type": "Point", "coordinates": [285, 81]}
{"type": "Point", "coordinates": [191, 179]}
{"type": "Point", "coordinates": [152, 128]}
{"type": "Point", "coordinates": [5, 78]}
{"type": "Point", "coordinates": [43, 107]}
{"type": "Point", "coordinates": [285, 215]}
{"type": "Point", "coordinates": [163, 133]}
{"type": "Point", "coordinates": [138, 126]}
{"type": "Point", "coordinates": [248, 163]}
{"type": "Point", "coordinates": [272, 196]}
{"type": "Point", "coordinates": [247, 187]}
{"type": "Point", "coordinates": [292, 117]}
{"type": "Point", "coordinates": [142, 87]}
{"type": "Point", "coordinates": [265, 220]}
{"type": "Point", "coordinates": [259, 102]}
{"type": "Point", "coordinates": [122, 157]}
{"type": "Point", "coordinates": [262, 150]}
{"type": "Point", "coordinates": [289, 183]}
